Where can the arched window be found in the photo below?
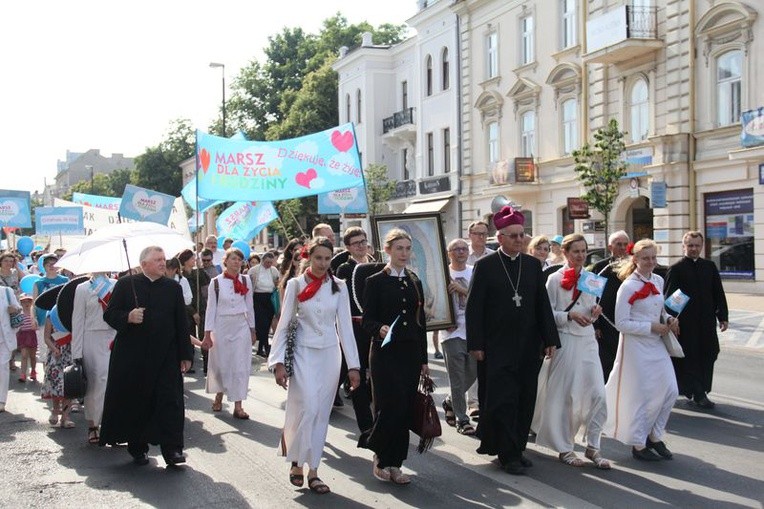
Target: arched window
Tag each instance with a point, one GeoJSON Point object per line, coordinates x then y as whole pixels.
{"type": "Point", "coordinates": [347, 107]}
{"type": "Point", "coordinates": [639, 111]}
{"type": "Point", "coordinates": [358, 105]}
{"type": "Point", "coordinates": [428, 78]}
{"type": "Point", "coordinates": [528, 133]}
{"type": "Point", "coordinates": [569, 126]}
{"type": "Point", "coordinates": [729, 70]}
{"type": "Point", "coordinates": [444, 69]}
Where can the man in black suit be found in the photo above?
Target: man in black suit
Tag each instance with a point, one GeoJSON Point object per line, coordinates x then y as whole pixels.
{"type": "Point", "coordinates": [698, 279]}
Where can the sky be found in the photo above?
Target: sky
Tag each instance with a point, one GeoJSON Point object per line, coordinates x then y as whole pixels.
{"type": "Point", "coordinates": [82, 74]}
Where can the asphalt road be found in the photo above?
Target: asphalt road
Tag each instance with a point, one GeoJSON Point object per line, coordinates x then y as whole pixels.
{"type": "Point", "coordinates": [231, 463]}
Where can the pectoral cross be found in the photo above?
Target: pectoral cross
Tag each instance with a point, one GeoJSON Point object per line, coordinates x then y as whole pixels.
{"type": "Point", "coordinates": [517, 300]}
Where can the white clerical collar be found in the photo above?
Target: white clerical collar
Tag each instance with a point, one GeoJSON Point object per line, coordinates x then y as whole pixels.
{"type": "Point", "coordinates": [513, 258]}
{"type": "Point", "coordinates": [395, 273]}
{"type": "Point", "coordinates": [152, 279]}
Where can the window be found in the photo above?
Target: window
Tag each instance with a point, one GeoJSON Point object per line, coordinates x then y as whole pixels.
{"type": "Point", "coordinates": [526, 43]}
{"type": "Point", "coordinates": [430, 156]}
{"type": "Point", "coordinates": [492, 55]}
{"type": "Point", "coordinates": [406, 175]}
{"type": "Point", "coordinates": [446, 150]}
{"type": "Point", "coordinates": [444, 69]}
{"type": "Point", "coordinates": [493, 142]}
{"type": "Point", "coordinates": [428, 79]}
{"type": "Point", "coordinates": [638, 111]}
{"type": "Point", "coordinates": [358, 105]}
{"type": "Point", "coordinates": [569, 126]}
{"type": "Point", "coordinates": [347, 107]}
{"type": "Point", "coordinates": [728, 82]}
{"type": "Point", "coordinates": [569, 37]}
{"type": "Point", "coordinates": [405, 95]}
{"type": "Point", "coordinates": [528, 133]}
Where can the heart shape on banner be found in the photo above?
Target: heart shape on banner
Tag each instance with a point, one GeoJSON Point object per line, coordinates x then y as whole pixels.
{"type": "Point", "coordinates": [342, 141]}
{"type": "Point", "coordinates": [147, 205]}
{"type": "Point", "coordinates": [204, 157]}
{"type": "Point", "coordinates": [8, 210]}
{"type": "Point", "coordinates": [343, 197]}
{"type": "Point", "coordinates": [303, 178]}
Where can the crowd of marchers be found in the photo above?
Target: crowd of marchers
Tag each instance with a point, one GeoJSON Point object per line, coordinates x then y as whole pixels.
{"type": "Point", "coordinates": [530, 355]}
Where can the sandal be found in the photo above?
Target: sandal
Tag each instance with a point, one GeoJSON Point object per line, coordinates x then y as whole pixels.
{"type": "Point", "coordinates": [570, 458]}
{"type": "Point", "coordinates": [53, 419]}
{"type": "Point", "coordinates": [66, 423]}
{"type": "Point", "coordinates": [296, 479]}
{"type": "Point", "coordinates": [595, 456]}
{"type": "Point", "coordinates": [465, 429]}
{"type": "Point", "coordinates": [450, 415]}
{"type": "Point", "coordinates": [217, 406]}
{"type": "Point", "coordinates": [93, 437]}
{"type": "Point", "coordinates": [399, 477]}
{"type": "Point", "coordinates": [316, 485]}
{"type": "Point", "coordinates": [240, 414]}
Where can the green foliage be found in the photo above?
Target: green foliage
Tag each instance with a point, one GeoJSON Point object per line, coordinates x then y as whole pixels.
{"type": "Point", "coordinates": [379, 188]}
{"type": "Point", "coordinates": [288, 225]}
{"type": "Point", "coordinates": [159, 167]}
{"type": "Point", "coordinates": [104, 184]}
{"type": "Point", "coordinates": [601, 167]}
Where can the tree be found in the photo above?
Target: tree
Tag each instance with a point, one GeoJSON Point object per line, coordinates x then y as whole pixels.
{"type": "Point", "coordinates": [104, 184]}
{"type": "Point", "coordinates": [379, 188]}
{"type": "Point", "coordinates": [600, 169]}
{"type": "Point", "coordinates": [159, 167]}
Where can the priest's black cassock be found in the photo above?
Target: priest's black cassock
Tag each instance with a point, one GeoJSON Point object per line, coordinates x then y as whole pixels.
{"type": "Point", "coordinates": [698, 279]}
{"type": "Point", "coordinates": [144, 392]}
{"type": "Point", "coordinates": [513, 339]}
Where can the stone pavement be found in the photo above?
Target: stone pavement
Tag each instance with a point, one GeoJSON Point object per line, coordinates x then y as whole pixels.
{"type": "Point", "coordinates": [746, 322]}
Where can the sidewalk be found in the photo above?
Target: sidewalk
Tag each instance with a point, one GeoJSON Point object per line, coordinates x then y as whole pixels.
{"type": "Point", "coordinates": [746, 322]}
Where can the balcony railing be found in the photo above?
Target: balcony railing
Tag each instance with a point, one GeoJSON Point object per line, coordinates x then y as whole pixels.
{"type": "Point", "coordinates": [399, 118]}
{"type": "Point", "coordinates": [642, 22]}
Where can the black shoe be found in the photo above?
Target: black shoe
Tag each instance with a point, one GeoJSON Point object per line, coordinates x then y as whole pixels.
{"type": "Point", "coordinates": [645, 454]}
{"type": "Point", "coordinates": [191, 371]}
{"type": "Point", "coordinates": [704, 402]}
{"type": "Point", "coordinates": [525, 462]}
{"type": "Point", "coordinates": [514, 467]}
{"type": "Point", "coordinates": [140, 458]}
{"type": "Point", "coordinates": [338, 399]}
{"type": "Point", "coordinates": [175, 458]}
{"type": "Point", "coordinates": [660, 448]}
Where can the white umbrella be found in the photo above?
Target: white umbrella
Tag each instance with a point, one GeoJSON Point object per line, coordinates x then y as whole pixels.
{"type": "Point", "coordinates": [108, 248]}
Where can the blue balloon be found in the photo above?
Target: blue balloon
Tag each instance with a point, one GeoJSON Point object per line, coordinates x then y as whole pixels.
{"type": "Point", "coordinates": [243, 247]}
{"type": "Point", "coordinates": [25, 245]}
{"type": "Point", "coordinates": [220, 242]}
{"type": "Point", "coordinates": [27, 283]}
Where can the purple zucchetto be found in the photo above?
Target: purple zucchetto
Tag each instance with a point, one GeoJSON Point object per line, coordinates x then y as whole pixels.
{"type": "Point", "coordinates": [508, 216]}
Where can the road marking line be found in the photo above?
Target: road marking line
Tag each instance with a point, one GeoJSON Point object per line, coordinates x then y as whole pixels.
{"type": "Point", "coordinates": [754, 339]}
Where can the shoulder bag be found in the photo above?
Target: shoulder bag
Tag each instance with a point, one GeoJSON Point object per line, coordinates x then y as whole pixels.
{"type": "Point", "coordinates": [17, 318]}
{"type": "Point", "coordinates": [425, 421]}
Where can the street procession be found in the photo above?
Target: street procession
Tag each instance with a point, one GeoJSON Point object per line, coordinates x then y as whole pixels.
{"type": "Point", "coordinates": [378, 275]}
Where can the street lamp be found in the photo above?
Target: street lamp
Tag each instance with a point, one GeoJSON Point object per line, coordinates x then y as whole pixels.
{"type": "Point", "coordinates": [222, 67]}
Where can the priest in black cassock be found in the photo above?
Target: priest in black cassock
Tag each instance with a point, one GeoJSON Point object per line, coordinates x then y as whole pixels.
{"type": "Point", "coordinates": [152, 349]}
{"type": "Point", "coordinates": [509, 326]}
{"type": "Point", "coordinates": [698, 279]}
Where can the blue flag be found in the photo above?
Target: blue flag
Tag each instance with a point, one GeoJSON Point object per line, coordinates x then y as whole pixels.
{"type": "Point", "coordinates": [189, 195]}
{"type": "Point", "coordinates": [99, 202]}
{"type": "Point", "coordinates": [591, 283]}
{"type": "Point", "coordinates": [146, 205]}
{"type": "Point", "coordinates": [344, 201]}
{"type": "Point", "coordinates": [15, 209]}
{"type": "Point", "coordinates": [677, 301]}
{"type": "Point", "coordinates": [59, 220]}
{"type": "Point", "coordinates": [243, 220]}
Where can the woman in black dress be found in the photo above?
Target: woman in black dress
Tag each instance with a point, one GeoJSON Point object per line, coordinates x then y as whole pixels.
{"type": "Point", "coordinates": [393, 299]}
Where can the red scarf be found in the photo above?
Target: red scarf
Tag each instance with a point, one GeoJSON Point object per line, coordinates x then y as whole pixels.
{"type": "Point", "coordinates": [570, 281]}
{"type": "Point", "coordinates": [313, 286]}
{"type": "Point", "coordinates": [238, 286]}
{"type": "Point", "coordinates": [647, 290]}
{"type": "Point", "coordinates": [105, 301]}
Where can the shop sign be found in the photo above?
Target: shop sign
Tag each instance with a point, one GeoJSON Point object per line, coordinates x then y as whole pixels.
{"type": "Point", "coordinates": [578, 208]}
{"type": "Point", "coordinates": [433, 186]}
{"type": "Point", "coordinates": [404, 189]}
{"type": "Point", "coordinates": [525, 169]}
{"type": "Point", "coordinates": [752, 134]}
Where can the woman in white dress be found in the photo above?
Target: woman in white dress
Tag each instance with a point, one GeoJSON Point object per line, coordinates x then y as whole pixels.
{"type": "Point", "coordinates": [8, 301]}
{"type": "Point", "coordinates": [320, 304]}
{"type": "Point", "coordinates": [91, 342]}
{"type": "Point", "coordinates": [642, 387]}
{"type": "Point", "coordinates": [229, 333]}
{"type": "Point", "coordinates": [571, 391]}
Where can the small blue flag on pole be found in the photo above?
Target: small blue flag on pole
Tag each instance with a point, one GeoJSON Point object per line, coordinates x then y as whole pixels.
{"type": "Point", "coordinates": [389, 335]}
{"type": "Point", "coordinates": [677, 301]}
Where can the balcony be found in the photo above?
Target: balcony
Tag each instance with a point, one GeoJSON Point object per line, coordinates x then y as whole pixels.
{"type": "Point", "coordinates": [399, 119]}
{"type": "Point", "coordinates": [622, 34]}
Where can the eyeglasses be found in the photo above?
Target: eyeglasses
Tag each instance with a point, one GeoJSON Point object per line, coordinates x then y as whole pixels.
{"type": "Point", "coordinates": [513, 235]}
{"type": "Point", "coordinates": [479, 234]}
{"type": "Point", "coordinates": [207, 260]}
{"type": "Point", "coordinates": [460, 249]}
{"type": "Point", "coordinates": [359, 243]}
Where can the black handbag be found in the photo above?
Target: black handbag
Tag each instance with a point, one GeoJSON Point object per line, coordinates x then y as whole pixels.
{"type": "Point", "coordinates": [425, 421]}
{"type": "Point", "coordinates": [75, 381]}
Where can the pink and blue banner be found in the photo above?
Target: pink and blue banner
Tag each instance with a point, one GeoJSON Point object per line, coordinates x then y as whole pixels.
{"type": "Point", "coordinates": [15, 209]}
{"type": "Point", "coordinates": [99, 202]}
{"type": "Point", "coordinates": [344, 201]}
{"type": "Point", "coordinates": [244, 220]}
{"type": "Point", "coordinates": [146, 205]}
{"type": "Point", "coordinates": [232, 169]}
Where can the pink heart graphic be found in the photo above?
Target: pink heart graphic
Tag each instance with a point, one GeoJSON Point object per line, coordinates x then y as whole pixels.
{"type": "Point", "coordinates": [303, 179]}
{"type": "Point", "coordinates": [204, 158]}
{"type": "Point", "coordinates": [342, 141]}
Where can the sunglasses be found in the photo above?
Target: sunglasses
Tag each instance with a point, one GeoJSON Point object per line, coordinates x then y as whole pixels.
{"type": "Point", "coordinates": [207, 260]}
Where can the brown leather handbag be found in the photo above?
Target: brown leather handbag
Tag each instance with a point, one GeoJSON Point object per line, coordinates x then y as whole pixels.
{"type": "Point", "coordinates": [425, 421]}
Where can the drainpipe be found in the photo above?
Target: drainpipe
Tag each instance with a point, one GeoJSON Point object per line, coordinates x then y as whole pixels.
{"type": "Point", "coordinates": [692, 142]}
{"type": "Point", "coordinates": [584, 76]}
{"type": "Point", "coordinates": [459, 126]}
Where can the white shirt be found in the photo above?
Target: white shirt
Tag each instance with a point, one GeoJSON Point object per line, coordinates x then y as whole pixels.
{"type": "Point", "coordinates": [463, 277]}
{"type": "Point", "coordinates": [263, 280]}
{"type": "Point", "coordinates": [228, 302]}
{"type": "Point", "coordinates": [86, 316]}
{"type": "Point", "coordinates": [560, 299]}
{"type": "Point", "coordinates": [474, 257]}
